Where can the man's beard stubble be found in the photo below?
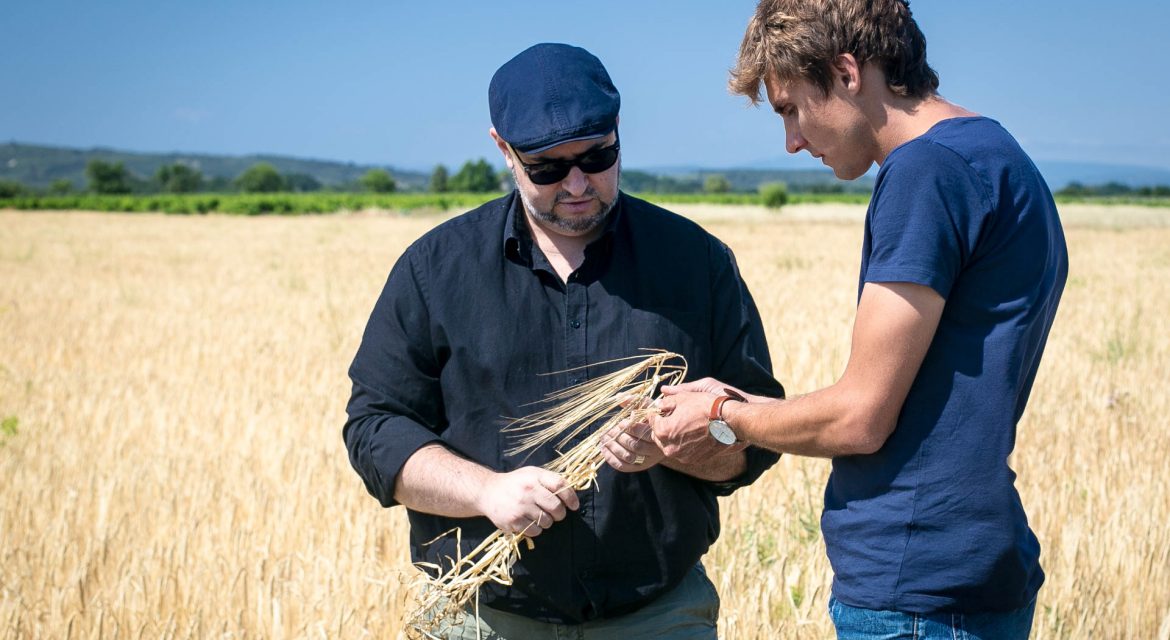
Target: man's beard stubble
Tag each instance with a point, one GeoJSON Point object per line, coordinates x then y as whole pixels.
{"type": "Point", "coordinates": [572, 225]}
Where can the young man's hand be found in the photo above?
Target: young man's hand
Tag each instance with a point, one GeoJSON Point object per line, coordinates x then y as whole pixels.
{"type": "Point", "coordinates": [680, 429]}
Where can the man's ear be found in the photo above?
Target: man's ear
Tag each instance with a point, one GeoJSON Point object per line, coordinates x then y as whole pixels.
{"type": "Point", "coordinates": [501, 145]}
{"type": "Point", "coordinates": [847, 73]}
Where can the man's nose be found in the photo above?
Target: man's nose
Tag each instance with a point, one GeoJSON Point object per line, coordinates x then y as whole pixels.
{"type": "Point", "coordinates": [576, 182]}
{"type": "Point", "coordinates": [793, 141]}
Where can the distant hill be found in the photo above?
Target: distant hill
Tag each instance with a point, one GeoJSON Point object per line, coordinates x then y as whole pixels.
{"type": "Point", "coordinates": [742, 179]}
{"type": "Point", "coordinates": [38, 165]}
{"type": "Point", "coordinates": [1059, 174]}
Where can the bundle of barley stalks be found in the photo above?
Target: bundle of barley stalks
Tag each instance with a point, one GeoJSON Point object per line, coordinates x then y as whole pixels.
{"type": "Point", "coordinates": [620, 399]}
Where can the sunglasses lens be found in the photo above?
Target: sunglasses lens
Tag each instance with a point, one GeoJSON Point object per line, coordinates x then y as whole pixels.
{"type": "Point", "coordinates": [547, 173]}
{"type": "Point", "coordinates": [599, 160]}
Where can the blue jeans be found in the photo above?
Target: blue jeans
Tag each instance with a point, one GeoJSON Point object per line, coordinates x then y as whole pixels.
{"type": "Point", "coordinates": [854, 623]}
{"type": "Point", "coordinates": [690, 611]}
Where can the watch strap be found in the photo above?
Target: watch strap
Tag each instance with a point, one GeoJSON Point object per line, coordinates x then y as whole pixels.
{"type": "Point", "coordinates": [717, 406]}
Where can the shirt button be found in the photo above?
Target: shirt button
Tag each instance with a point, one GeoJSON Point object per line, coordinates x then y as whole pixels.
{"type": "Point", "coordinates": [576, 324]}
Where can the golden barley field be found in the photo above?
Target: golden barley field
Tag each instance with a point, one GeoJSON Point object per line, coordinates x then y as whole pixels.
{"type": "Point", "coordinates": [172, 391]}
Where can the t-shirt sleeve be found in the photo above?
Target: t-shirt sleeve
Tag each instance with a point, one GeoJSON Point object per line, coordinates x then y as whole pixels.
{"type": "Point", "coordinates": [928, 205]}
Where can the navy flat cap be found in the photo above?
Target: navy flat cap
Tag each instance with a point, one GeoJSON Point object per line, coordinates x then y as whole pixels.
{"type": "Point", "coordinates": [550, 94]}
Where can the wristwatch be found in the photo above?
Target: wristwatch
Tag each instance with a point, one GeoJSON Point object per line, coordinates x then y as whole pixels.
{"type": "Point", "coordinates": [716, 425]}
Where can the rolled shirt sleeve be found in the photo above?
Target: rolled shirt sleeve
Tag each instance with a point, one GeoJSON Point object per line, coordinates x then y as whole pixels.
{"type": "Point", "coordinates": [395, 407]}
{"type": "Point", "coordinates": [741, 350]}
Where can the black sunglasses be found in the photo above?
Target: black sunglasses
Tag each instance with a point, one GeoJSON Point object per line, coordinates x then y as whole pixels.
{"type": "Point", "coordinates": [553, 171]}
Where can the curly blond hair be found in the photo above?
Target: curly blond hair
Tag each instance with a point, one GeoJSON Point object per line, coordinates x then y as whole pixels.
{"type": "Point", "coordinates": [800, 39]}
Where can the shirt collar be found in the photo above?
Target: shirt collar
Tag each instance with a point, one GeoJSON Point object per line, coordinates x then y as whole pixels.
{"type": "Point", "coordinates": [518, 239]}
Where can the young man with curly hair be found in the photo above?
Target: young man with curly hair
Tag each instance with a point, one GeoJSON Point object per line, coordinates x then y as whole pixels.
{"type": "Point", "coordinates": [962, 267]}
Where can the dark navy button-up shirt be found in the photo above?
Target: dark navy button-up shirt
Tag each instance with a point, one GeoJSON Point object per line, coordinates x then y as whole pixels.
{"type": "Point", "coordinates": [474, 326]}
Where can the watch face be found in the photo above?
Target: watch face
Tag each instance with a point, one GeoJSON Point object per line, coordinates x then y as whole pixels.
{"type": "Point", "coordinates": [721, 431]}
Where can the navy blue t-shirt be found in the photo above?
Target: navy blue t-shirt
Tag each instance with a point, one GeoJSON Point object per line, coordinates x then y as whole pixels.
{"type": "Point", "coordinates": [932, 522]}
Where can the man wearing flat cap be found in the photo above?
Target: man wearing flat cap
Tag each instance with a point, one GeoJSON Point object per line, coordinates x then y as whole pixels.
{"type": "Point", "coordinates": [537, 291]}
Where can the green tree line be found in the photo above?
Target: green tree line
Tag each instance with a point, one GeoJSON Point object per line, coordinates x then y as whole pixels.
{"type": "Point", "coordinates": [475, 176]}
{"type": "Point", "coordinates": [261, 188]}
{"type": "Point", "coordinates": [113, 178]}
{"type": "Point", "coordinates": [1113, 190]}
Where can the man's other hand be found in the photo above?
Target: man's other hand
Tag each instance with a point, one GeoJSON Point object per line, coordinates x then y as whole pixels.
{"type": "Point", "coordinates": [630, 447]}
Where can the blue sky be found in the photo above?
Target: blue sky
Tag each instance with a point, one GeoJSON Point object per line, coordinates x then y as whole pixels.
{"type": "Point", "coordinates": [405, 83]}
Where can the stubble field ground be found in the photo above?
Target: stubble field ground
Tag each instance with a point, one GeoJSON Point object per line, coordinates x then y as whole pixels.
{"type": "Point", "coordinates": [172, 391]}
